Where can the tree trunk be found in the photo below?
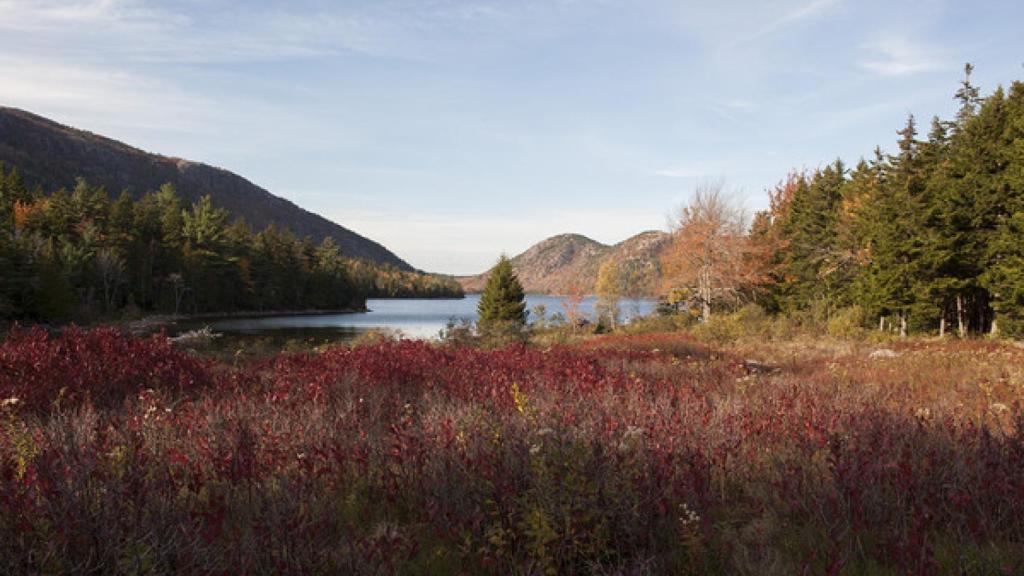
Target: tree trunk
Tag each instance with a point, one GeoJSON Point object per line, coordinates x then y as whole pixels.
{"type": "Point", "coordinates": [903, 324]}
{"type": "Point", "coordinates": [961, 328]}
{"type": "Point", "coordinates": [995, 329]}
{"type": "Point", "coordinates": [942, 325]}
{"type": "Point", "coordinates": [705, 296]}
{"type": "Point", "coordinates": [881, 323]}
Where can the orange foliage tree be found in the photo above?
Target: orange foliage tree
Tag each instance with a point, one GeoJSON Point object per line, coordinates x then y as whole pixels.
{"type": "Point", "coordinates": [712, 258]}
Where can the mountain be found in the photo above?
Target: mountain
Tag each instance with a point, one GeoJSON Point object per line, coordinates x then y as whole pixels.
{"type": "Point", "coordinates": [568, 262]}
{"type": "Point", "coordinates": [52, 155]}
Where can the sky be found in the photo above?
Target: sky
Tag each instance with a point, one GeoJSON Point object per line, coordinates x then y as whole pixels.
{"type": "Point", "coordinates": [452, 131]}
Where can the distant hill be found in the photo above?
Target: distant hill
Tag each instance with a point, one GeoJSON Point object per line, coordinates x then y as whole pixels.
{"type": "Point", "coordinates": [52, 155]}
{"type": "Point", "coordinates": [561, 263]}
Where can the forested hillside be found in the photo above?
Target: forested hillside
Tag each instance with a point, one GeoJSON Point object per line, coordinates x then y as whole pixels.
{"type": "Point", "coordinates": [927, 239]}
{"type": "Point", "coordinates": [81, 255]}
{"type": "Point", "coordinates": [52, 156]}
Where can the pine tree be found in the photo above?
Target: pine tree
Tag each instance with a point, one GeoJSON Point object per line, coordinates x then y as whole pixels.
{"type": "Point", "coordinates": [938, 289]}
{"type": "Point", "coordinates": [502, 304]}
{"type": "Point", "coordinates": [15, 188]}
{"type": "Point", "coordinates": [147, 237]}
{"type": "Point", "coordinates": [967, 96]}
{"type": "Point", "coordinates": [61, 216]}
{"type": "Point", "coordinates": [208, 268]}
{"type": "Point", "coordinates": [970, 208]}
{"type": "Point", "coordinates": [53, 297]}
{"type": "Point", "coordinates": [926, 238]}
{"type": "Point", "coordinates": [122, 219]}
{"type": "Point", "coordinates": [811, 262]}
{"type": "Point", "coordinates": [893, 234]}
{"type": "Point", "coordinates": [1004, 273]}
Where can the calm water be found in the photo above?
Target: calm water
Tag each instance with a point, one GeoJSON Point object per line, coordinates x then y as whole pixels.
{"type": "Point", "coordinates": [414, 318]}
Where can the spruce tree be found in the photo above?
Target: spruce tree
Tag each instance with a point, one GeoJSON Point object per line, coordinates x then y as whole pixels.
{"type": "Point", "coordinates": [968, 96]}
{"type": "Point", "coordinates": [811, 263]}
{"type": "Point", "coordinates": [938, 286]}
{"type": "Point", "coordinates": [972, 207]}
{"type": "Point", "coordinates": [502, 303]}
{"type": "Point", "coordinates": [1003, 276]}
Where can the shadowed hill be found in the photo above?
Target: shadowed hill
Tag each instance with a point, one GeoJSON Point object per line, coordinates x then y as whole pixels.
{"type": "Point", "coordinates": [51, 155]}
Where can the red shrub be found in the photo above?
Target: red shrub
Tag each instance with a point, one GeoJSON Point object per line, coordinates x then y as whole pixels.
{"type": "Point", "coordinates": [413, 457]}
{"type": "Point", "coordinates": [102, 366]}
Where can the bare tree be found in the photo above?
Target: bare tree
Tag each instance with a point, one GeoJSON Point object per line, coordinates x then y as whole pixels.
{"type": "Point", "coordinates": [711, 255]}
{"type": "Point", "coordinates": [571, 301]}
{"type": "Point", "coordinates": [177, 282]}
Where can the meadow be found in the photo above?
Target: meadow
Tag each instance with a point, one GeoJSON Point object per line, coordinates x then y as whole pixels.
{"type": "Point", "coordinates": [623, 454]}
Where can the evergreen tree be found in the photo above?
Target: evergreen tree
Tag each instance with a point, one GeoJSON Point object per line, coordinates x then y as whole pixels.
{"type": "Point", "coordinates": [122, 220]}
{"type": "Point", "coordinates": [81, 256]}
{"type": "Point", "coordinates": [239, 240]}
{"type": "Point", "coordinates": [208, 268]}
{"type": "Point", "coordinates": [147, 236]}
{"type": "Point", "coordinates": [811, 261]}
{"type": "Point", "coordinates": [502, 303]}
{"type": "Point", "coordinates": [891, 225]}
{"type": "Point", "coordinates": [53, 296]}
{"type": "Point", "coordinates": [15, 189]}
{"type": "Point", "coordinates": [970, 207]}
{"type": "Point", "coordinates": [968, 96]}
{"type": "Point", "coordinates": [1003, 277]}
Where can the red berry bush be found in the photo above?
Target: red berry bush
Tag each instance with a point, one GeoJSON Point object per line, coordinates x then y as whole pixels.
{"type": "Point", "coordinates": [101, 366]}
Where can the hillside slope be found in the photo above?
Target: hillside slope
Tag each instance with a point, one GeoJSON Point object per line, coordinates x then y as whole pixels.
{"type": "Point", "coordinates": [52, 155]}
{"type": "Point", "coordinates": [568, 262]}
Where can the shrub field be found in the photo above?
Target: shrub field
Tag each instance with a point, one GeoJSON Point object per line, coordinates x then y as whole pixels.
{"type": "Point", "coordinates": [646, 454]}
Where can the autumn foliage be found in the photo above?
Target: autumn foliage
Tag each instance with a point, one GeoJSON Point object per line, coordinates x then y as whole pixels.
{"type": "Point", "coordinates": [100, 367]}
{"type": "Point", "coordinates": [712, 259]}
{"type": "Point", "coordinates": [629, 455]}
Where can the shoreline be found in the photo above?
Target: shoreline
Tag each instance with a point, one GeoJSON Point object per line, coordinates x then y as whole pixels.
{"type": "Point", "coordinates": [152, 323]}
{"type": "Point", "coordinates": [156, 322]}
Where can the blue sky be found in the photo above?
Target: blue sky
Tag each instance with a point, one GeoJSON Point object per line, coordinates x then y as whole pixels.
{"type": "Point", "coordinates": [452, 131]}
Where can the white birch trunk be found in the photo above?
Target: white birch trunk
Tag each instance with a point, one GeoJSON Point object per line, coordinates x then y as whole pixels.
{"type": "Point", "coordinates": [961, 328]}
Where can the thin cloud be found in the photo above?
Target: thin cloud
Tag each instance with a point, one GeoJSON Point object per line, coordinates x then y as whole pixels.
{"type": "Point", "coordinates": [809, 10]}
{"type": "Point", "coordinates": [799, 13]}
{"type": "Point", "coordinates": [727, 25]}
{"type": "Point", "coordinates": [21, 15]}
{"type": "Point", "coordinates": [144, 31]}
{"type": "Point", "coordinates": [901, 57]}
{"type": "Point", "coordinates": [109, 96]}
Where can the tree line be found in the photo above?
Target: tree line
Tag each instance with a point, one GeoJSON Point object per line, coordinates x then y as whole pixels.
{"type": "Point", "coordinates": [928, 239]}
{"type": "Point", "coordinates": [83, 255]}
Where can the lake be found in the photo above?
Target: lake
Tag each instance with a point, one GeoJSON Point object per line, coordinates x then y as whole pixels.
{"type": "Point", "coordinates": [414, 318]}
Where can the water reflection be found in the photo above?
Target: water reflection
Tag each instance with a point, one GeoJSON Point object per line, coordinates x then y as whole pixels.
{"type": "Point", "coordinates": [414, 318]}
